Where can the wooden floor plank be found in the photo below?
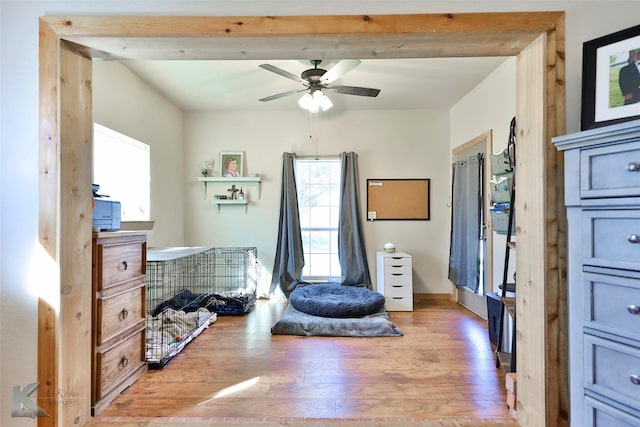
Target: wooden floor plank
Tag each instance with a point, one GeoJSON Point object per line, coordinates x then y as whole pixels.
{"type": "Point", "coordinates": [442, 371]}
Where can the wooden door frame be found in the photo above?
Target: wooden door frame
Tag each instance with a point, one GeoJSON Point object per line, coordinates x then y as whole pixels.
{"type": "Point", "coordinates": [535, 38]}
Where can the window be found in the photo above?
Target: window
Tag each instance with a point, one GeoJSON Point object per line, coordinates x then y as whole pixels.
{"type": "Point", "coordinates": [318, 187]}
{"type": "Point", "coordinates": [121, 167]}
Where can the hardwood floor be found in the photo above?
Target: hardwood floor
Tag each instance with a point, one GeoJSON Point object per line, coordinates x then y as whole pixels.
{"type": "Point", "coordinates": [440, 373]}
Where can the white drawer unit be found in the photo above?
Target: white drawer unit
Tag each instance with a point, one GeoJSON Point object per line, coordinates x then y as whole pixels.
{"type": "Point", "coordinates": [602, 195]}
{"type": "Point", "coordinates": [394, 280]}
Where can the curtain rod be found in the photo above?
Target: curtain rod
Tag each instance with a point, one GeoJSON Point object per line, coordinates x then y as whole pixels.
{"type": "Point", "coordinates": [315, 157]}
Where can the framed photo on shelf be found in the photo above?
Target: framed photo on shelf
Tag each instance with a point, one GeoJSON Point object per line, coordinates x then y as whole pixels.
{"type": "Point", "coordinates": [611, 79]}
{"type": "Point", "coordinates": [231, 163]}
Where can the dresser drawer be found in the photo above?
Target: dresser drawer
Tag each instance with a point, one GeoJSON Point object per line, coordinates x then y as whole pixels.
{"type": "Point", "coordinates": [612, 304]}
{"type": "Point", "coordinates": [397, 262]}
{"type": "Point", "coordinates": [403, 278]}
{"type": "Point", "coordinates": [612, 370]}
{"type": "Point", "coordinates": [121, 263]}
{"type": "Point", "coordinates": [119, 312]}
{"type": "Point", "coordinates": [611, 238]}
{"type": "Point", "coordinates": [116, 363]}
{"type": "Point", "coordinates": [397, 289]}
{"type": "Point", "coordinates": [398, 303]}
{"type": "Point", "coordinates": [397, 270]}
{"type": "Point", "coordinates": [610, 171]}
{"type": "Point", "coordinates": [599, 414]}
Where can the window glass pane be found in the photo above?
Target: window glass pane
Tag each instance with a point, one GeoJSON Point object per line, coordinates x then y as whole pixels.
{"type": "Point", "coordinates": [333, 223]}
{"type": "Point", "coordinates": [307, 265]}
{"type": "Point", "coordinates": [320, 242]}
{"type": "Point", "coordinates": [320, 265]}
{"type": "Point", "coordinates": [121, 167]}
{"type": "Point", "coordinates": [318, 189]}
{"type": "Point", "coordinates": [305, 218]}
{"type": "Point", "coordinates": [320, 216]}
{"type": "Point", "coordinates": [334, 242]}
{"type": "Point", "coordinates": [335, 265]}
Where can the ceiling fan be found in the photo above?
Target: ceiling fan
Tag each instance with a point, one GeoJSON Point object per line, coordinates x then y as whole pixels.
{"type": "Point", "coordinates": [316, 79]}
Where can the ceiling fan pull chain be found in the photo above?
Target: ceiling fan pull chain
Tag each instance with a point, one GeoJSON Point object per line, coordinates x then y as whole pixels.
{"type": "Point", "coordinates": [316, 131]}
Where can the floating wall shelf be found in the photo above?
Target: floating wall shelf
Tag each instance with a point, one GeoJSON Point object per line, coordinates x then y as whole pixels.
{"type": "Point", "coordinates": [220, 202]}
{"type": "Point", "coordinates": [245, 181]}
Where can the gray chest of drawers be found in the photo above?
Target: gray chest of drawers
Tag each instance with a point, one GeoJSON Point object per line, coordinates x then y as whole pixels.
{"type": "Point", "coordinates": [602, 195]}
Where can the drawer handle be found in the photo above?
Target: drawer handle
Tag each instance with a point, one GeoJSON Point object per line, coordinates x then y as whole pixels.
{"type": "Point", "coordinates": [635, 379]}
{"type": "Point", "coordinates": [633, 167]}
{"type": "Point", "coordinates": [123, 265]}
{"type": "Point", "coordinates": [124, 314]}
{"type": "Point", "coordinates": [124, 362]}
{"type": "Point", "coordinates": [633, 238]}
{"type": "Point", "coordinates": [633, 309]}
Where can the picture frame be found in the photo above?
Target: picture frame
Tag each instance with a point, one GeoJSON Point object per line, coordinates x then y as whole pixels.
{"type": "Point", "coordinates": [231, 164]}
{"type": "Point", "coordinates": [603, 60]}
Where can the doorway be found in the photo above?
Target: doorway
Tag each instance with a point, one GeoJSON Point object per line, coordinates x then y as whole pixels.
{"type": "Point", "coordinates": [537, 38]}
{"type": "Point", "coordinates": [474, 299]}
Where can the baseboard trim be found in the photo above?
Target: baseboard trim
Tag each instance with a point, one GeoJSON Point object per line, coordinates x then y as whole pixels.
{"type": "Point", "coordinates": [433, 297]}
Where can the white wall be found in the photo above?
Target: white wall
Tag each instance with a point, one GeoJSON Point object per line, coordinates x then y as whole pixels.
{"type": "Point", "coordinates": [470, 118]}
{"type": "Point", "coordinates": [390, 144]}
{"type": "Point", "coordinates": [585, 20]}
{"type": "Point", "coordinates": [124, 103]}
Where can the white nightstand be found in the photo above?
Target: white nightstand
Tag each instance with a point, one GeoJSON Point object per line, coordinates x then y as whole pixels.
{"type": "Point", "coordinates": [394, 280]}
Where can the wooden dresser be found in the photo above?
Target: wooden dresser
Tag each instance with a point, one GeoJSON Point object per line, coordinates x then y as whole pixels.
{"type": "Point", "coordinates": [395, 280]}
{"type": "Point", "coordinates": [602, 194]}
{"type": "Point", "coordinates": [119, 315]}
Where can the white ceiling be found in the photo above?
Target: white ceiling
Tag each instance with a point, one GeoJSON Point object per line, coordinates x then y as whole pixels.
{"type": "Point", "coordinates": [423, 83]}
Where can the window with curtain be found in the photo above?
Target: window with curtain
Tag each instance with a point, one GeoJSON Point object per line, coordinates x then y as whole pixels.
{"type": "Point", "coordinates": [318, 190]}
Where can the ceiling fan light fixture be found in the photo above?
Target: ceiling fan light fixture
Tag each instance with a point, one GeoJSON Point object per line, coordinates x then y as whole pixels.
{"type": "Point", "coordinates": [315, 102]}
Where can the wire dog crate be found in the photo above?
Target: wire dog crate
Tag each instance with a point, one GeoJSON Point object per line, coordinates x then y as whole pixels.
{"type": "Point", "coordinates": [187, 288]}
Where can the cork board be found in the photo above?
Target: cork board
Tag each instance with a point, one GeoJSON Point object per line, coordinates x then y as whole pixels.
{"type": "Point", "coordinates": [398, 199]}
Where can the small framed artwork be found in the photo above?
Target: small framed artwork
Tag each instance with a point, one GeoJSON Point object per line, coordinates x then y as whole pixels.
{"type": "Point", "coordinates": [611, 79]}
{"type": "Point", "coordinates": [231, 163]}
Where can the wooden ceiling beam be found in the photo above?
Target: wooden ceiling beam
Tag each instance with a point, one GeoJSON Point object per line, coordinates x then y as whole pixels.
{"type": "Point", "coordinates": [303, 37]}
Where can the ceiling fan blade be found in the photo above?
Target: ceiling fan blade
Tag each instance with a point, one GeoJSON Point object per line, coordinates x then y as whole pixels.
{"type": "Point", "coordinates": [338, 70]}
{"type": "Point", "coordinates": [355, 90]}
{"type": "Point", "coordinates": [281, 95]}
{"type": "Point", "coordinates": [282, 72]}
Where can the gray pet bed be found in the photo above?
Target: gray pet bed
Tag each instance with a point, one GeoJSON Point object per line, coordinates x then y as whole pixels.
{"type": "Point", "coordinates": [336, 300]}
{"type": "Point", "coordinates": [335, 311]}
{"type": "Point", "coordinates": [294, 322]}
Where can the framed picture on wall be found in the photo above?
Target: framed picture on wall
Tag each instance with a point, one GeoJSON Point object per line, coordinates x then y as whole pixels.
{"type": "Point", "coordinates": [231, 163]}
{"type": "Point", "coordinates": [611, 79]}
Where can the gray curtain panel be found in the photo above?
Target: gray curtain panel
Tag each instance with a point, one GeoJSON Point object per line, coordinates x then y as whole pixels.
{"type": "Point", "coordinates": [351, 249]}
{"type": "Point", "coordinates": [465, 223]}
{"type": "Point", "coordinates": [289, 256]}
